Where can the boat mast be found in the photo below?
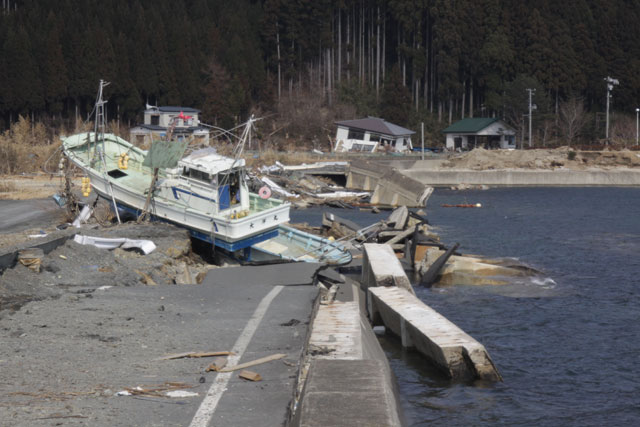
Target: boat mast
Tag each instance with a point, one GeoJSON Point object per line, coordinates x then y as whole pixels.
{"type": "Point", "coordinates": [100, 122]}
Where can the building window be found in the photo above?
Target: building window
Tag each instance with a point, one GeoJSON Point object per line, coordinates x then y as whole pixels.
{"type": "Point", "coordinates": [356, 134]}
{"type": "Point", "coordinates": [374, 137]}
{"type": "Point", "coordinates": [155, 119]}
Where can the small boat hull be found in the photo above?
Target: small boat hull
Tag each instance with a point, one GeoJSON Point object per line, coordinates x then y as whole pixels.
{"type": "Point", "coordinates": [297, 245]}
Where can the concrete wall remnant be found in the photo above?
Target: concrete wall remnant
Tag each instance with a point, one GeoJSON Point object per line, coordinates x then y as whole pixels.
{"type": "Point", "coordinates": [454, 352]}
{"type": "Point", "coordinates": [381, 267]}
{"type": "Point", "coordinates": [390, 187]}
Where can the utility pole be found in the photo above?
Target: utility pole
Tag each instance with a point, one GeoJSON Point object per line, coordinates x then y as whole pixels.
{"type": "Point", "coordinates": [610, 84]}
{"type": "Point", "coordinates": [637, 125]}
{"type": "Point", "coordinates": [422, 127]}
{"type": "Point", "coordinates": [531, 107]}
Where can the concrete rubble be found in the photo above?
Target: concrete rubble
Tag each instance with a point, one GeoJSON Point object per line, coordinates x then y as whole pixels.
{"type": "Point", "coordinates": [307, 185]}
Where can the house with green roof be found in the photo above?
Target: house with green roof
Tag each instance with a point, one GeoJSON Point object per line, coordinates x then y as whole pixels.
{"type": "Point", "coordinates": [485, 132]}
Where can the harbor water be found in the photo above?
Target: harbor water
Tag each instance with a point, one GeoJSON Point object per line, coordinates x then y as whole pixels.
{"type": "Point", "coordinates": [568, 343]}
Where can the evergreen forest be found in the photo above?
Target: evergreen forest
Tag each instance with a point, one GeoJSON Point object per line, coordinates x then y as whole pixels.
{"type": "Point", "coordinates": [306, 63]}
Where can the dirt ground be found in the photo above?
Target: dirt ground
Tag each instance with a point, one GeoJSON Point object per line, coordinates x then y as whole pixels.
{"type": "Point", "coordinates": [73, 266]}
{"type": "Point", "coordinates": [481, 159]}
{"type": "Point", "coordinates": [22, 187]}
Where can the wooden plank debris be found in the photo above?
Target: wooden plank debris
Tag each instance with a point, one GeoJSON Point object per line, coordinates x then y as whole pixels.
{"type": "Point", "coordinates": [195, 354]}
{"type": "Point", "coordinates": [255, 362]}
{"type": "Point", "coordinates": [250, 375]}
{"type": "Point", "coordinates": [217, 364]}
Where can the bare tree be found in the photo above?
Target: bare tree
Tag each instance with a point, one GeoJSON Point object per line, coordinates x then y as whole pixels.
{"type": "Point", "coordinates": [572, 118]}
{"type": "Point", "coordinates": [623, 130]}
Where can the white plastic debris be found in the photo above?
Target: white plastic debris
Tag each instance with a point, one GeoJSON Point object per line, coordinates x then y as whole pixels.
{"type": "Point", "coordinates": [315, 165]}
{"type": "Point", "coordinates": [84, 215]}
{"type": "Point", "coordinates": [104, 288]}
{"type": "Point", "coordinates": [342, 194]}
{"type": "Point", "coordinates": [181, 393]}
{"type": "Point", "coordinates": [123, 393]}
{"type": "Point", "coordinates": [147, 246]}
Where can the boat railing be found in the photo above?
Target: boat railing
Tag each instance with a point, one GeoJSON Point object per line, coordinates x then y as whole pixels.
{"type": "Point", "coordinates": [257, 204]}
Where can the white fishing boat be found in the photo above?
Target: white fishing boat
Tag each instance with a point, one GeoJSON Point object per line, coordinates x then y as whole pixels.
{"type": "Point", "coordinates": [203, 191]}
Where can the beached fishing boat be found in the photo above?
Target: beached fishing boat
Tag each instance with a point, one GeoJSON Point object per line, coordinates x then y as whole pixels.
{"type": "Point", "coordinates": [204, 192]}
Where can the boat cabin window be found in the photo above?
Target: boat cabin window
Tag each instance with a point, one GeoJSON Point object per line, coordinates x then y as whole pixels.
{"type": "Point", "coordinates": [198, 175]}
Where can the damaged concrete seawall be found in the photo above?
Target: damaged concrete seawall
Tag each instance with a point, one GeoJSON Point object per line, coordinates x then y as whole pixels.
{"type": "Point", "coordinates": [522, 178]}
{"type": "Point", "coordinates": [349, 381]}
{"type": "Point", "coordinates": [449, 348]}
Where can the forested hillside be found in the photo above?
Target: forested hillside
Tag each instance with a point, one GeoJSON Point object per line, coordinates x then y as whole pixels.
{"type": "Point", "coordinates": [406, 60]}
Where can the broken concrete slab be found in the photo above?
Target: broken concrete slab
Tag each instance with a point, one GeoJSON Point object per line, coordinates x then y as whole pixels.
{"type": "Point", "coordinates": [330, 275]}
{"type": "Point", "coordinates": [295, 273]}
{"type": "Point", "coordinates": [454, 352]}
{"type": "Point", "coordinates": [470, 270]}
{"type": "Point", "coordinates": [380, 267]}
{"type": "Point", "coordinates": [390, 186]}
{"type": "Point", "coordinates": [398, 218]}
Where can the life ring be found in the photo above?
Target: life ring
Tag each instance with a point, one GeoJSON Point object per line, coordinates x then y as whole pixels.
{"type": "Point", "coordinates": [264, 192]}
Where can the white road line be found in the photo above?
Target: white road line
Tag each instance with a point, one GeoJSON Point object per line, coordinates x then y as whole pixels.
{"type": "Point", "coordinates": [219, 386]}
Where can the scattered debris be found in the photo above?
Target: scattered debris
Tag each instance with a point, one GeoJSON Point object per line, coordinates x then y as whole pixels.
{"type": "Point", "coordinates": [250, 375]}
{"type": "Point", "coordinates": [154, 391]}
{"type": "Point", "coordinates": [330, 295]}
{"type": "Point", "coordinates": [195, 354]}
{"type": "Point", "coordinates": [307, 185]}
{"type": "Point", "coordinates": [255, 362]}
{"type": "Point", "coordinates": [83, 217]}
{"type": "Point", "coordinates": [57, 416]}
{"type": "Point", "coordinates": [218, 364]}
{"type": "Point", "coordinates": [180, 393]}
{"type": "Point", "coordinates": [146, 278]}
{"type": "Point", "coordinates": [31, 258]}
{"type": "Point", "coordinates": [291, 322]}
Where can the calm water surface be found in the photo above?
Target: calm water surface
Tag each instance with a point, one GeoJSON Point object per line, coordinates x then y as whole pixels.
{"type": "Point", "coordinates": [568, 346]}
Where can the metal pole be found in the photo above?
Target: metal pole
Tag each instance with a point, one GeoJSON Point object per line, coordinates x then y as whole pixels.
{"type": "Point", "coordinates": [606, 133]}
{"type": "Point", "coordinates": [422, 126]}
{"type": "Point", "coordinates": [611, 82]}
{"type": "Point", "coordinates": [637, 124]}
{"type": "Point", "coordinates": [530, 93]}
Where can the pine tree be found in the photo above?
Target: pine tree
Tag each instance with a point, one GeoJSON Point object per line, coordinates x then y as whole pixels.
{"type": "Point", "coordinates": [395, 105]}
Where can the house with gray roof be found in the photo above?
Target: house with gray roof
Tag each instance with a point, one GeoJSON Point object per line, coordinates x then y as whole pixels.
{"type": "Point", "coordinates": [158, 119]}
{"type": "Point", "coordinates": [370, 135]}
{"type": "Point", "coordinates": [483, 132]}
